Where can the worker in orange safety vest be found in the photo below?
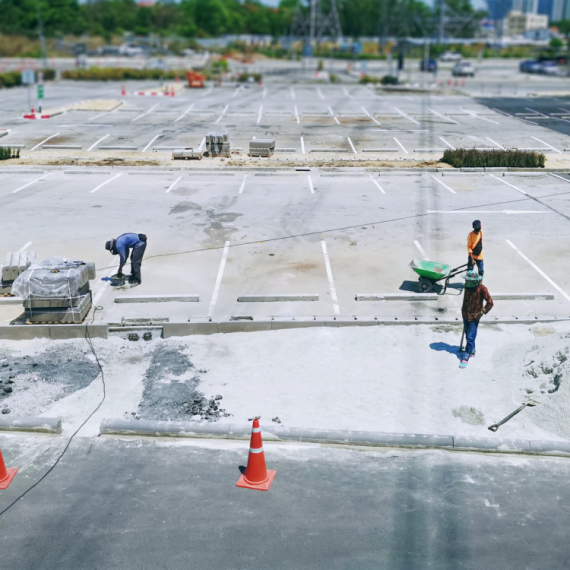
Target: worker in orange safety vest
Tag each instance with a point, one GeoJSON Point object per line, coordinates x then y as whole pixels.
{"type": "Point", "coordinates": [475, 248]}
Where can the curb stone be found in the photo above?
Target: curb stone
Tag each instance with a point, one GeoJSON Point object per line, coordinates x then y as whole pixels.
{"type": "Point", "coordinates": [31, 423]}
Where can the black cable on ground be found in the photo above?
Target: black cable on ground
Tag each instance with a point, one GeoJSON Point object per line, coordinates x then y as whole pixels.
{"type": "Point", "coordinates": [90, 343]}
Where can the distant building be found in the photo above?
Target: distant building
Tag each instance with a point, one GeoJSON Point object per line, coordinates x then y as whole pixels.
{"type": "Point", "coordinates": [545, 7]}
{"type": "Point", "coordinates": [518, 23]}
{"type": "Point", "coordinates": [499, 9]}
{"type": "Point", "coordinates": [560, 10]}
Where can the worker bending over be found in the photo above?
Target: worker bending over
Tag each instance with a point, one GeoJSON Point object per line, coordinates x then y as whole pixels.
{"type": "Point", "coordinates": [475, 248]}
{"type": "Point", "coordinates": [122, 246]}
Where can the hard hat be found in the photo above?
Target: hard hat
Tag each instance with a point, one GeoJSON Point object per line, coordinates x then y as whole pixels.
{"type": "Point", "coordinates": [472, 278]}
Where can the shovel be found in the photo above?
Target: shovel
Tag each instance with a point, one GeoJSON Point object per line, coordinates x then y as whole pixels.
{"type": "Point", "coordinates": [496, 426]}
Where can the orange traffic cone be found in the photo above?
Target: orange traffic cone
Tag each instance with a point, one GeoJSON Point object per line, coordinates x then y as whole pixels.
{"type": "Point", "coordinates": [256, 474]}
{"type": "Point", "coordinates": [123, 90]}
{"type": "Point", "coordinates": [32, 111]}
{"type": "Point", "coordinates": [172, 94]}
{"type": "Point", "coordinates": [6, 475]}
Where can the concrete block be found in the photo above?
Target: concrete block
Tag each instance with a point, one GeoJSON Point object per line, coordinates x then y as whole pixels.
{"type": "Point", "coordinates": [11, 301]}
{"type": "Point", "coordinates": [29, 423]}
{"type": "Point", "coordinates": [275, 298]}
{"type": "Point", "coordinates": [114, 147]}
{"type": "Point", "coordinates": [415, 440]}
{"type": "Point", "coordinates": [63, 146]}
{"type": "Point", "coordinates": [351, 322]}
{"type": "Point", "coordinates": [523, 297]}
{"type": "Point", "coordinates": [128, 427]}
{"type": "Point", "coordinates": [262, 143]}
{"type": "Point", "coordinates": [191, 429]}
{"type": "Point", "coordinates": [24, 332]}
{"type": "Point", "coordinates": [91, 271]}
{"type": "Point", "coordinates": [243, 326]}
{"type": "Point", "coordinates": [62, 332]}
{"type": "Point", "coordinates": [158, 299]}
{"type": "Point", "coordinates": [491, 444]}
{"type": "Point", "coordinates": [187, 329]}
{"type": "Point", "coordinates": [550, 446]}
{"type": "Point", "coordinates": [398, 297]}
{"type": "Point", "coordinates": [7, 267]}
{"type": "Point", "coordinates": [279, 323]}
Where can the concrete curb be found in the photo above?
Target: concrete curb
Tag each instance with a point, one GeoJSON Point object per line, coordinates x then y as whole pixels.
{"type": "Point", "coordinates": [348, 437]}
{"type": "Point", "coordinates": [30, 423]}
{"type": "Point", "coordinates": [54, 332]}
{"type": "Point", "coordinates": [158, 299]}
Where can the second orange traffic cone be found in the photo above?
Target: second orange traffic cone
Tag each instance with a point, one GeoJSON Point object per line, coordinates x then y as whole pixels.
{"type": "Point", "coordinates": [6, 475]}
{"type": "Point", "coordinates": [256, 474]}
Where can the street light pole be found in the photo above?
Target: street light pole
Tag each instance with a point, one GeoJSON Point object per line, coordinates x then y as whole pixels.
{"type": "Point", "coordinates": [41, 34]}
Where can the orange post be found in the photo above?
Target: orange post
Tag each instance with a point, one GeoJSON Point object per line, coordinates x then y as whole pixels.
{"type": "Point", "coordinates": [6, 475]}
{"type": "Point", "coordinates": [256, 474]}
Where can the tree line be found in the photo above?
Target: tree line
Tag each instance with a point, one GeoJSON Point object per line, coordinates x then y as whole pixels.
{"type": "Point", "coordinates": [210, 18]}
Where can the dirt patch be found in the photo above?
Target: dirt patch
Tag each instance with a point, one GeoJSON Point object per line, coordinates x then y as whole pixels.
{"type": "Point", "coordinates": [470, 416]}
{"type": "Point", "coordinates": [182, 207]}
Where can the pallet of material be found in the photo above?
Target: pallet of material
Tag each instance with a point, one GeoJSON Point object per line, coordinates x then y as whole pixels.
{"type": "Point", "coordinates": [187, 154]}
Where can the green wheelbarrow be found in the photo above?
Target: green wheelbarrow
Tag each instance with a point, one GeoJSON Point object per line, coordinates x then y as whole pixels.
{"type": "Point", "coordinates": [431, 272]}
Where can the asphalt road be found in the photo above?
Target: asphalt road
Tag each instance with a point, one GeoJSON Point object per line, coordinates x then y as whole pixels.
{"type": "Point", "coordinates": [132, 504]}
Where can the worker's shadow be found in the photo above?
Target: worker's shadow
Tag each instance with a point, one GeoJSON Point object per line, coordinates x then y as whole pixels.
{"type": "Point", "coordinates": [443, 346]}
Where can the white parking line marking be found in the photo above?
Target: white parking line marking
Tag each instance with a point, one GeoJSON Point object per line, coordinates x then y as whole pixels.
{"type": "Point", "coordinates": [222, 115]}
{"type": "Point", "coordinates": [541, 141]}
{"type": "Point", "coordinates": [347, 93]}
{"type": "Point", "coordinates": [264, 93]}
{"type": "Point", "coordinates": [369, 115]}
{"type": "Point", "coordinates": [311, 187]}
{"type": "Point", "coordinates": [496, 143]}
{"type": "Point", "coordinates": [406, 116]}
{"type": "Point", "coordinates": [185, 113]}
{"type": "Point", "coordinates": [202, 143]}
{"type": "Point", "coordinates": [534, 266]}
{"type": "Point", "coordinates": [536, 112]}
{"type": "Point", "coordinates": [421, 250]}
{"type": "Point", "coordinates": [332, 288]}
{"type": "Point", "coordinates": [145, 113]}
{"type": "Point", "coordinates": [443, 117]}
{"type": "Point", "coordinates": [105, 183]}
{"type": "Point", "coordinates": [173, 184]}
{"type": "Point", "coordinates": [557, 176]}
{"type": "Point", "coordinates": [508, 184]}
{"type": "Point", "coordinates": [476, 116]}
{"type": "Point", "coordinates": [302, 146]}
{"type": "Point", "coordinates": [260, 113]}
{"type": "Point", "coordinates": [146, 147]}
{"type": "Point", "coordinates": [401, 145]}
{"type": "Point", "coordinates": [451, 147]}
{"type": "Point", "coordinates": [377, 184]}
{"type": "Point", "coordinates": [103, 287]}
{"type": "Point", "coordinates": [26, 246]}
{"type": "Point", "coordinates": [320, 93]}
{"type": "Point", "coordinates": [207, 92]}
{"type": "Point", "coordinates": [241, 188]}
{"type": "Point", "coordinates": [471, 212]}
{"type": "Point", "coordinates": [443, 184]}
{"type": "Point", "coordinates": [292, 91]}
{"type": "Point", "coordinates": [297, 115]}
{"type": "Point", "coordinates": [32, 182]}
{"type": "Point", "coordinates": [99, 141]}
{"type": "Point", "coordinates": [43, 142]}
{"type": "Point", "coordinates": [351, 145]}
{"type": "Point", "coordinates": [236, 91]}
{"type": "Point", "coordinates": [219, 279]}
{"type": "Point", "coordinates": [99, 115]}
{"type": "Point", "coordinates": [332, 115]}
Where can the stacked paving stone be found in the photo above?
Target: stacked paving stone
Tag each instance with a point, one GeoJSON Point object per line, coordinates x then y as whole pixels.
{"type": "Point", "coordinates": [15, 263]}
{"type": "Point", "coordinates": [261, 147]}
{"type": "Point", "coordinates": [56, 291]}
{"type": "Point", "coordinates": [217, 144]}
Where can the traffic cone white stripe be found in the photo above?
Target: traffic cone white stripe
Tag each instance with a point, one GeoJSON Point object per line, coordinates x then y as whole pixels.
{"type": "Point", "coordinates": [256, 430]}
{"type": "Point", "coordinates": [260, 450]}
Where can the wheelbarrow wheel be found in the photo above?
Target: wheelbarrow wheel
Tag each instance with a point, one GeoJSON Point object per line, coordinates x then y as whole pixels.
{"type": "Point", "coordinates": [425, 285]}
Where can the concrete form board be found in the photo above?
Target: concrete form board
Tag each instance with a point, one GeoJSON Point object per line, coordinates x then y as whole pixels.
{"type": "Point", "coordinates": [243, 326]}
{"type": "Point", "coordinates": [158, 299]}
{"type": "Point", "coordinates": [24, 332]}
{"type": "Point", "coordinates": [186, 329]}
{"type": "Point", "coordinates": [491, 444]}
{"type": "Point", "coordinates": [30, 423]}
{"type": "Point", "coordinates": [275, 298]}
{"type": "Point", "coordinates": [62, 332]}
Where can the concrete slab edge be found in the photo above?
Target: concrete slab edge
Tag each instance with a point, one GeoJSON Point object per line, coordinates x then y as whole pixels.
{"type": "Point", "coordinates": [31, 423]}
{"type": "Point", "coordinates": [53, 332]}
{"type": "Point", "coordinates": [153, 428]}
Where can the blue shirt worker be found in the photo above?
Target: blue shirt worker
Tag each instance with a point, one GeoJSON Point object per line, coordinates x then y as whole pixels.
{"type": "Point", "coordinates": [122, 246]}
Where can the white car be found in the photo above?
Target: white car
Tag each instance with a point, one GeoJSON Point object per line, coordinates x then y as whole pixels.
{"type": "Point", "coordinates": [450, 56]}
{"type": "Point", "coordinates": [463, 69]}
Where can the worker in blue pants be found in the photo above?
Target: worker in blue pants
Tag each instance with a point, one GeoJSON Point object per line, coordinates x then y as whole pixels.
{"type": "Point", "coordinates": [135, 244]}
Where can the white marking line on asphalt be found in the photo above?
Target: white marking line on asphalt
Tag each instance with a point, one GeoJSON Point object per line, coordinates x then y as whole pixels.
{"type": "Point", "coordinates": [260, 113]}
{"type": "Point", "coordinates": [536, 112]}
{"type": "Point", "coordinates": [443, 117]}
{"type": "Point", "coordinates": [509, 184]}
{"type": "Point", "coordinates": [369, 115]}
{"type": "Point", "coordinates": [401, 145]}
{"type": "Point", "coordinates": [496, 143]}
{"type": "Point", "coordinates": [347, 93]}
{"type": "Point", "coordinates": [332, 288]}
{"type": "Point", "coordinates": [207, 92]}
{"type": "Point", "coordinates": [173, 184]}
{"type": "Point", "coordinates": [98, 142]}
{"type": "Point", "coordinates": [264, 93]}
{"type": "Point", "coordinates": [105, 183]}
{"type": "Point", "coordinates": [99, 115]}
{"type": "Point", "coordinates": [302, 146]}
{"type": "Point", "coordinates": [104, 286]}
{"type": "Point", "coordinates": [406, 116]}
{"type": "Point", "coordinates": [351, 145]}
{"type": "Point", "coordinates": [242, 186]}
{"type": "Point", "coordinates": [451, 147]}
{"type": "Point", "coordinates": [557, 176]}
{"type": "Point", "coordinates": [145, 113]}
{"type": "Point", "coordinates": [443, 184]}
{"type": "Point", "coordinates": [471, 212]}
{"type": "Point", "coordinates": [311, 187]}
{"type": "Point", "coordinates": [332, 115]}
{"type": "Point", "coordinates": [421, 250]}
{"type": "Point", "coordinates": [292, 91]}
{"type": "Point", "coordinates": [202, 143]}
{"type": "Point", "coordinates": [320, 93]}
{"type": "Point", "coordinates": [185, 113]}
{"type": "Point", "coordinates": [219, 279]}
{"type": "Point", "coordinates": [32, 182]}
{"type": "Point", "coordinates": [236, 91]}
{"type": "Point", "coordinates": [377, 184]}
{"type": "Point", "coordinates": [297, 115]}
{"type": "Point", "coordinates": [534, 266]}
{"type": "Point", "coordinates": [222, 115]}
{"type": "Point", "coordinates": [146, 147]}
{"type": "Point", "coordinates": [26, 247]}
{"type": "Point", "coordinates": [541, 141]}
{"type": "Point", "coordinates": [43, 142]}
{"type": "Point", "coordinates": [473, 114]}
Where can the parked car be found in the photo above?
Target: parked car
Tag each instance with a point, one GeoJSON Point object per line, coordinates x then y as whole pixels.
{"type": "Point", "coordinates": [463, 69]}
{"type": "Point", "coordinates": [548, 68]}
{"type": "Point", "coordinates": [526, 66]}
{"type": "Point", "coordinates": [428, 65]}
{"type": "Point", "coordinates": [450, 56]}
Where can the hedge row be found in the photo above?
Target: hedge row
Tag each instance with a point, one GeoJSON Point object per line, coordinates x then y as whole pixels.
{"type": "Point", "coordinates": [121, 74]}
{"type": "Point", "coordinates": [472, 158]}
{"type": "Point", "coordinates": [14, 78]}
{"type": "Point", "coordinates": [7, 153]}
